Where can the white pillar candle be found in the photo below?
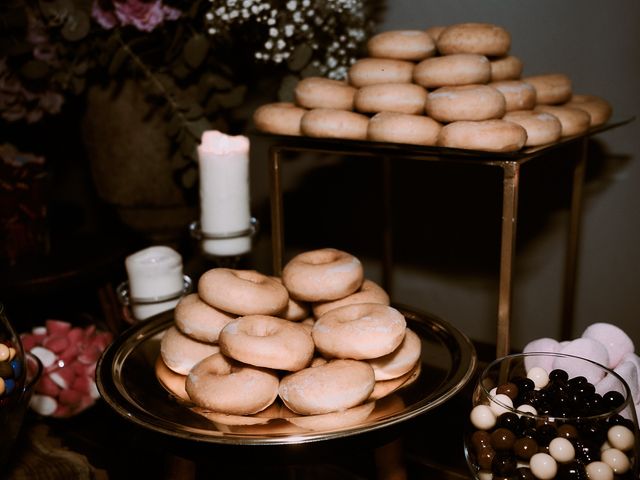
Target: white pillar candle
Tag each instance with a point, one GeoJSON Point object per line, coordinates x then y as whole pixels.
{"type": "Point", "coordinates": [224, 192]}
{"type": "Point", "coordinates": [154, 272]}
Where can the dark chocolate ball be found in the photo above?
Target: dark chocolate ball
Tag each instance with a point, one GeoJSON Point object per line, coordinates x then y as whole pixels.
{"type": "Point", "coordinates": [524, 473]}
{"type": "Point", "coordinates": [525, 448]}
{"type": "Point", "coordinates": [504, 464]}
{"type": "Point", "coordinates": [502, 439]}
{"type": "Point", "coordinates": [485, 457]}
{"type": "Point", "coordinates": [509, 389]}
{"type": "Point", "coordinates": [558, 374]}
{"type": "Point", "coordinates": [509, 420]}
{"type": "Point", "coordinates": [480, 439]}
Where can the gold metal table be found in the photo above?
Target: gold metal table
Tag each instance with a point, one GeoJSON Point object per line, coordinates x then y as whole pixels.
{"type": "Point", "coordinates": [510, 163]}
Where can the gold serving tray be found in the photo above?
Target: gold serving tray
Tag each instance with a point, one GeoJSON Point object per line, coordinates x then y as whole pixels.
{"type": "Point", "coordinates": [126, 379]}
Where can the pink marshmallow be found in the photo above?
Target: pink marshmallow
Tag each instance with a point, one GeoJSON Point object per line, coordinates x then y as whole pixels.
{"type": "Point", "coordinates": [629, 372]}
{"type": "Point", "coordinates": [615, 340]}
{"type": "Point", "coordinates": [584, 348]}
{"type": "Point", "coordinates": [633, 358]}
{"type": "Point", "coordinates": [541, 345]}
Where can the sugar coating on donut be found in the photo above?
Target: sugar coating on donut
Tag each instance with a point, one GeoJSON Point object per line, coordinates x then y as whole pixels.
{"type": "Point", "coordinates": [374, 71]}
{"type": "Point", "coordinates": [574, 121]}
{"type": "Point", "coordinates": [242, 292]}
{"type": "Point", "coordinates": [391, 97]}
{"type": "Point", "coordinates": [403, 128]}
{"type": "Point", "coordinates": [482, 38]}
{"type": "Point", "coordinates": [296, 310]}
{"type": "Point", "coordinates": [322, 92]}
{"type": "Point", "coordinates": [487, 135]}
{"type": "Point", "coordinates": [335, 420]}
{"type": "Point", "coordinates": [542, 128]}
{"type": "Point", "coordinates": [402, 45]}
{"type": "Point", "coordinates": [322, 274]}
{"type": "Point", "coordinates": [383, 388]}
{"type": "Point", "coordinates": [198, 319]}
{"type": "Point", "coordinates": [435, 31]}
{"type": "Point", "coordinates": [507, 67]}
{"type": "Point", "coordinates": [551, 88]}
{"type": "Point", "coordinates": [518, 95]}
{"type": "Point", "coordinates": [598, 108]}
{"type": "Point", "coordinates": [466, 102]}
{"type": "Point", "coordinates": [448, 70]}
{"type": "Point", "coordinates": [280, 118]}
{"type": "Point", "coordinates": [360, 331]}
{"type": "Point", "coordinates": [226, 386]}
{"type": "Point", "coordinates": [265, 341]}
{"type": "Point", "coordinates": [401, 360]}
{"type": "Point", "coordinates": [334, 386]}
{"type": "Point", "coordinates": [369, 292]}
{"type": "Point", "coordinates": [180, 352]}
{"type": "Point", "coordinates": [334, 123]}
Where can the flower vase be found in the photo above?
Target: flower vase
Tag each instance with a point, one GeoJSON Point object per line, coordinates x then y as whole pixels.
{"type": "Point", "coordinates": [132, 163]}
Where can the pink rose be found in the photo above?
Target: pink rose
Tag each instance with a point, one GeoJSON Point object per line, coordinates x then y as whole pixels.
{"type": "Point", "coordinates": [145, 16]}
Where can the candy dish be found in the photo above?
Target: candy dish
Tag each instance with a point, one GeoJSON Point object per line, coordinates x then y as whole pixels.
{"type": "Point", "coordinates": [126, 381]}
{"type": "Point", "coordinates": [535, 415]}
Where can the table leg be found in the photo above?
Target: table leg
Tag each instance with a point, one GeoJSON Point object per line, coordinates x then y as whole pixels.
{"type": "Point", "coordinates": [571, 262]}
{"type": "Point", "coordinates": [511, 172]}
{"type": "Point", "coordinates": [277, 216]}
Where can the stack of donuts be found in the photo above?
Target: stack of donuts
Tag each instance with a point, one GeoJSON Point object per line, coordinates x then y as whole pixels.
{"type": "Point", "coordinates": [320, 342]}
{"type": "Point", "coordinates": [456, 86]}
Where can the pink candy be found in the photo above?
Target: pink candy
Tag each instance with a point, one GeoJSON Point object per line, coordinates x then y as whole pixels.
{"type": "Point", "coordinates": [615, 340]}
{"type": "Point", "coordinates": [69, 355]}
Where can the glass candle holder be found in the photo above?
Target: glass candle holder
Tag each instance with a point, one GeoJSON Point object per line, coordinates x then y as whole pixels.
{"type": "Point", "coordinates": [226, 248]}
{"type": "Point", "coordinates": [137, 309]}
{"type": "Point", "coordinates": [548, 415]}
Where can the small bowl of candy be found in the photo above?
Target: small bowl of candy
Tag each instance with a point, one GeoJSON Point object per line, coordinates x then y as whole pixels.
{"type": "Point", "coordinates": [550, 415]}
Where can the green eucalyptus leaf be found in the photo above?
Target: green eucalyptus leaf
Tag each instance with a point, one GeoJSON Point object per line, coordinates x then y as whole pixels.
{"type": "Point", "coordinates": [195, 50]}
{"type": "Point", "coordinates": [117, 62]}
{"type": "Point", "coordinates": [310, 71]}
{"type": "Point", "coordinates": [34, 70]}
{"type": "Point", "coordinates": [78, 84]}
{"type": "Point", "coordinates": [76, 26]}
{"type": "Point", "coordinates": [198, 127]}
{"type": "Point", "coordinates": [212, 81]}
{"type": "Point", "coordinates": [180, 70]}
{"type": "Point", "coordinates": [188, 145]}
{"type": "Point", "coordinates": [56, 8]}
{"type": "Point", "coordinates": [300, 57]}
{"type": "Point", "coordinates": [287, 88]}
{"type": "Point", "coordinates": [212, 106]}
{"type": "Point", "coordinates": [189, 178]}
{"type": "Point", "coordinates": [174, 126]}
{"type": "Point", "coordinates": [232, 98]}
{"type": "Point", "coordinates": [194, 112]}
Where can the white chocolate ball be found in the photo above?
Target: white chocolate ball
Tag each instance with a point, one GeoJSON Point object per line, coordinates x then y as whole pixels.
{"type": "Point", "coordinates": [562, 450]}
{"type": "Point", "coordinates": [543, 466]}
{"type": "Point", "coordinates": [621, 437]}
{"type": "Point", "coordinates": [526, 408]}
{"type": "Point", "coordinates": [617, 460]}
{"type": "Point", "coordinates": [482, 417]}
{"type": "Point", "coordinates": [599, 471]}
{"type": "Point", "coordinates": [500, 404]}
{"type": "Point", "coordinates": [539, 376]}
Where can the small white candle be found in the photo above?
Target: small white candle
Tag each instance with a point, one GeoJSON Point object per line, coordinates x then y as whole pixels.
{"type": "Point", "coordinates": [224, 192]}
{"type": "Point", "coordinates": [154, 272]}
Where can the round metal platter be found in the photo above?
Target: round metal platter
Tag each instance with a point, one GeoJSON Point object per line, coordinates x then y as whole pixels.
{"type": "Point", "coordinates": [126, 380]}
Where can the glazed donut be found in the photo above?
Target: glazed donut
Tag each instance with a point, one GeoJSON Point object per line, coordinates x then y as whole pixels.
{"type": "Point", "coordinates": [322, 92]}
{"type": "Point", "coordinates": [334, 420]}
{"type": "Point", "coordinates": [401, 360]}
{"type": "Point", "coordinates": [574, 121]}
{"type": "Point", "coordinates": [542, 128]}
{"type": "Point", "coordinates": [295, 310]}
{"type": "Point", "coordinates": [383, 388]}
{"type": "Point", "coordinates": [270, 342]}
{"type": "Point", "coordinates": [322, 274]}
{"type": "Point", "coordinates": [403, 128]}
{"type": "Point", "coordinates": [598, 108]}
{"type": "Point", "coordinates": [435, 31]}
{"type": "Point", "coordinates": [307, 324]}
{"type": "Point", "coordinates": [449, 70]}
{"type": "Point", "coordinates": [369, 292]}
{"type": "Point", "coordinates": [334, 386]}
{"type": "Point", "coordinates": [279, 118]}
{"type": "Point", "coordinates": [273, 411]}
{"type": "Point", "coordinates": [551, 88]}
{"type": "Point", "coordinates": [243, 292]}
{"type": "Point", "coordinates": [481, 38]}
{"type": "Point", "coordinates": [373, 71]}
{"type": "Point", "coordinates": [171, 381]}
{"type": "Point", "coordinates": [332, 123]}
{"type": "Point", "coordinates": [466, 102]}
{"type": "Point", "coordinates": [401, 45]}
{"type": "Point", "coordinates": [391, 97]}
{"type": "Point", "coordinates": [360, 331]}
{"type": "Point", "coordinates": [505, 68]}
{"type": "Point", "coordinates": [223, 385]}
{"type": "Point", "coordinates": [180, 352]}
{"type": "Point", "coordinates": [198, 319]}
{"type": "Point", "coordinates": [518, 95]}
{"type": "Point", "coordinates": [487, 135]}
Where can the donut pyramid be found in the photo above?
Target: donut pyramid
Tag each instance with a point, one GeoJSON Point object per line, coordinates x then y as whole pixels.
{"type": "Point", "coordinates": [320, 342]}
{"type": "Point", "coordinates": [454, 86]}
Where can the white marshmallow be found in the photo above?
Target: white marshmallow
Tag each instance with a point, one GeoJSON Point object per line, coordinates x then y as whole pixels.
{"type": "Point", "coordinates": [540, 345]}
{"type": "Point", "coordinates": [629, 372]}
{"type": "Point", "coordinates": [615, 340]}
{"type": "Point", "coordinates": [584, 348]}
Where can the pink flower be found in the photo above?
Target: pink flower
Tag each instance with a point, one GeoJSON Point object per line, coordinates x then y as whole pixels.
{"type": "Point", "coordinates": [144, 15]}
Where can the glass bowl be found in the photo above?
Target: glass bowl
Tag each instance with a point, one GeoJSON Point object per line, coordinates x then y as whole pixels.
{"type": "Point", "coordinates": [549, 415]}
